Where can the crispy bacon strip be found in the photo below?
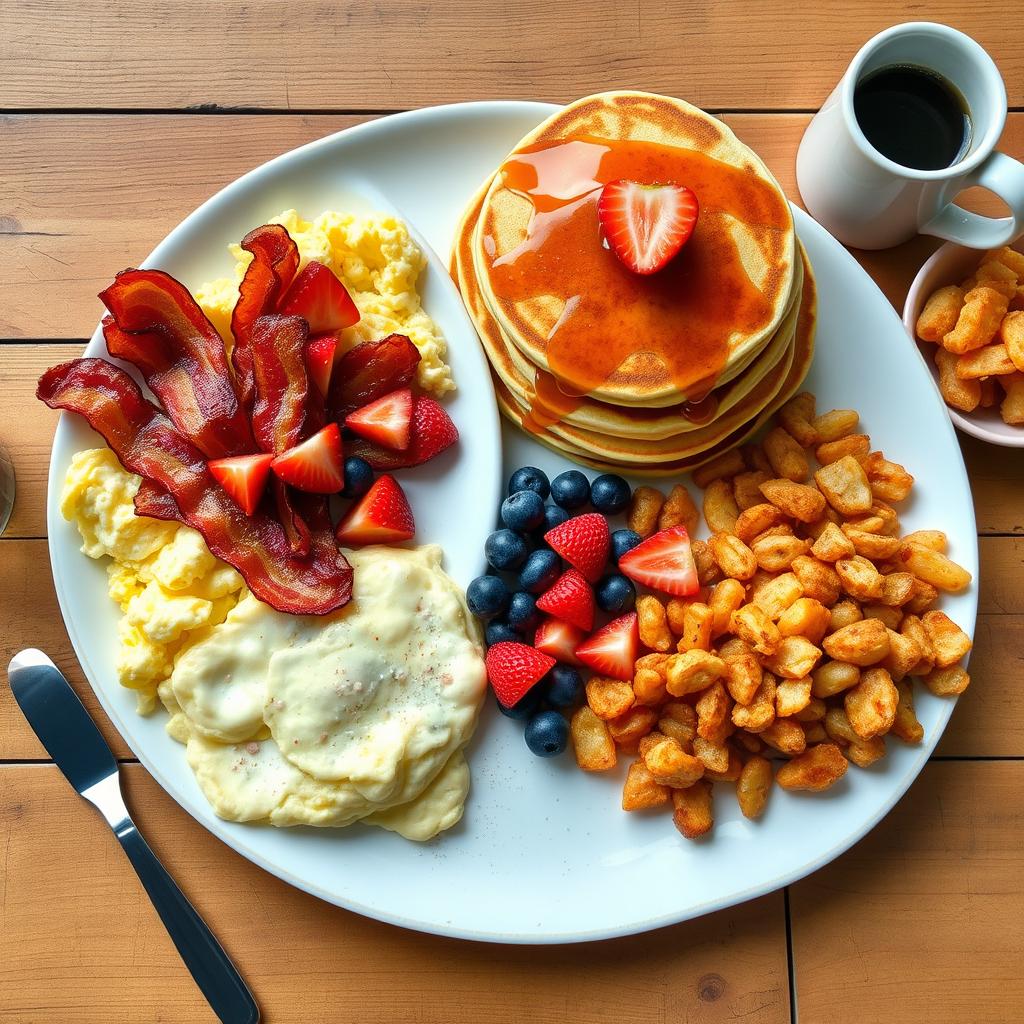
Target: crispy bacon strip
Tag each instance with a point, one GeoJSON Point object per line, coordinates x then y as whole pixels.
{"type": "Point", "coordinates": [369, 371]}
{"type": "Point", "coordinates": [274, 263]}
{"type": "Point", "coordinates": [147, 443]}
{"type": "Point", "coordinates": [158, 327]}
{"type": "Point", "coordinates": [153, 501]}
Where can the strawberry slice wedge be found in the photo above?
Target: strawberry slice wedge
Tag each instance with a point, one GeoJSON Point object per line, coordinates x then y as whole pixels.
{"type": "Point", "coordinates": [514, 669]}
{"type": "Point", "coordinates": [382, 516]}
{"type": "Point", "coordinates": [583, 542]}
{"type": "Point", "coordinates": [320, 360]}
{"type": "Point", "coordinates": [571, 599]}
{"type": "Point", "coordinates": [663, 562]}
{"type": "Point", "coordinates": [388, 421]}
{"type": "Point", "coordinates": [244, 477]}
{"type": "Point", "coordinates": [432, 432]}
{"type": "Point", "coordinates": [612, 650]}
{"type": "Point", "coordinates": [646, 225]}
{"type": "Point", "coordinates": [318, 296]}
{"type": "Point", "coordinates": [560, 640]}
{"type": "Point", "coordinates": [315, 465]}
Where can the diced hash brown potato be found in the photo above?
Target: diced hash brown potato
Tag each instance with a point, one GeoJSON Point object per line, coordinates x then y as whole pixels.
{"type": "Point", "coordinates": [679, 510]}
{"type": "Point", "coordinates": [871, 704]}
{"type": "Point", "coordinates": [786, 456]}
{"type": "Point", "coordinates": [845, 485]}
{"type": "Point", "coordinates": [753, 786]}
{"type": "Point", "coordinates": [798, 501]}
{"type": "Point", "coordinates": [644, 509]}
{"type": "Point", "coordinates": [641, 790]}
{"type": "Point", "coordinates": [934, 568]}
{"type": "Point", "coordinates": [816, 769]}
{"type": "Point", "coordinates": [940, 313]}
{"type": "Point", "coordinates": [672, 766]}
{"type": "Point", "coordinates": [948, 641]}
{"type": "Point", "coordinates": [591, 741]}
{"type": "Point", "coordinates": [797, 416]}
{"type": "Point", "coordinates": [692, 813]}
{"type": "Point", "coordinates": [609, 698]}
{"type": "Point", "coordinates": [720, 509]}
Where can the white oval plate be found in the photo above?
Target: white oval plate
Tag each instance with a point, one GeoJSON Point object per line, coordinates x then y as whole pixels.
{"type": "Point", "coordinates": [544, 853]}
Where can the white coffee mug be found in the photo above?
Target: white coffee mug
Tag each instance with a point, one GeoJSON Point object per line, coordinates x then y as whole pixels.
{"type": "Point", "coordinates": [868, 201]}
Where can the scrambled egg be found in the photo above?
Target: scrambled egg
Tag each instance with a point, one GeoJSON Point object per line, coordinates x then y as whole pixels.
{"type": "Point", "coordinates": [359, 715]}
{"type": "Point", "coordinates": [377, 261]}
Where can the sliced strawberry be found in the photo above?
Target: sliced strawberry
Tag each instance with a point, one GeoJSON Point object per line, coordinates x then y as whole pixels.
{"type": "Point", "coordinates": [560, 640]}
{"type": "Point", "coordinates": [381, 516]}
{"type": "Point", "coordinates": [320, 360]}
{"type": "Point", "coordinates": [432, 432]}
{"type": "Point", "coordinates": [646, 225]}
{"type": "Point", "coordinates": [244, 477]}
{"type": "Point", "coordinates": [663, 562]}
{"type": "Point", "coordinates": [612, 650]}
{"type": "Point", "coordinates": [514, 669]}
{"type": "Point", "coordinates": [315, 465]}
{"type": "Point", "coordinates": [571, 599]}
{"type": "Point", "coordinates": [388, 421]}
{"type": "Point", "coordinates": [318, 296]}
{"type": "Point", "coordinates": [583, 542]}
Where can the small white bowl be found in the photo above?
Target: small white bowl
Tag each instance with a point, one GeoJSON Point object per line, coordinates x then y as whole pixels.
{"type": "Point", "coordinates": [948, 265]}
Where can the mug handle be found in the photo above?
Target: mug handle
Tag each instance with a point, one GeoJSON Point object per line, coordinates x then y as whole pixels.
{"type": "Point", "coordinates": [1000, 174]}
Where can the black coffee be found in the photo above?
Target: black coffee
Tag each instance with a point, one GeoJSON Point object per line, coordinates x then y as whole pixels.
{"type": "Point", "coordinates": [913, 116]}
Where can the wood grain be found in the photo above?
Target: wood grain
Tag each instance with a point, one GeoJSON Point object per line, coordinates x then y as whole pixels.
{"type": "Point", "coordinates": [406, 53]}
{"type": "Point", "coordinates": [921, 920]}
{"type": "Point", "coordinates": [105, 957]}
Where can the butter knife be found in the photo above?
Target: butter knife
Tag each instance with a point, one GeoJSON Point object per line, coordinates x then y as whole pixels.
{"type": "Point", "coordinates": [75, 744]}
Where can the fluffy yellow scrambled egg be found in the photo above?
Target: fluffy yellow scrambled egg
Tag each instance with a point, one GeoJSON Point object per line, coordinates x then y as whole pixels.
{"type": "Point", "coordinates": [361, 715]}
{"type": "Point", "coordinates": [378, 262]}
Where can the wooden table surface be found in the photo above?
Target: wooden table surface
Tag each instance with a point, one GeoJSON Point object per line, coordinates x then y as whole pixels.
{"type": "Point", "coordinates": [116, 120]}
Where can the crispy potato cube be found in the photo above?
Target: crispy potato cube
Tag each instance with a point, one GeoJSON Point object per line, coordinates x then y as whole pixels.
{"type": "Point", "coordinates": [628, 729]}
{"type": "Point", "coordinates": [843, 613]}
{"type": "Point", "coordinates": [964, 395]}
{"type": "Point", "coordinates": [889, 480]}
{"type": "Point", "coordinates": [792, 696]}
{"type": "Point", "coordinates": [734, 558]}
{"type": "Point", "coordinates": [831, 426]}
{"type": "Point", "coordinates": [754, 626]}
{"type": "Point", "coordinates": [675, 612]}
{"type": "Point", "coordinates": [889, 617]}
{"type": "Point", "coordinates": [785, 736]}
{"type": "Point", "coordinates": [776, 595]}
{"type": "Point", "coordinates": [679, 720]}
{"type": "Point", "coordinates": [940, 313]}
{"type": "Point", "coordinates": [759, 713]}
{"type": "Point", "coordinates": [805, 617]}
{"type": "Point", "coordinates": [980, 316]}
{"type": "Point", "coordinates": [714, 756]}
{"type": "Point", "coordinates": [817, 768]}
{"type": "Point", "coordinates": [776, 553]}
{"type": "Point", "coordinates": [642, 790]}
{"type": "Point", "coordinates": [990, 361]}
{"type": "Point", "coordinates": [1012, 406]}
{"type": "Point", "coordinates": [788, 459]}
{"type": "Point", "coordinates": [609, 698]}
{"type": "Point", "coordinates": [692, 671]}
{"type": "Point", "coordinates": [1011, 333]}
{"type": "Point", "coordinates": [591, 741]}
{"type": "Point", "coordinates": [797, 416]}
{"type": "Point", "coordinates": [729, 464]}
{"type": "Point", "coordinates": [704, 562]}
{"type": "Point", "coordinates": [753, 787]}
{"type": "Point", "coordinates": [654, 631]}
{"type": "Point", "coordinates": [845, 486]}
{"type": "Point", "coordinates": [997, 275]}
{"type": "Point", "coordinates": [742, 671]}
{"type": "Point", "coordinates": [871, 704]}
{"type": "Point", "coordinates": [814, 712]}
{"type": "Point", "coordinates": [832, 544]}
{"type": "Point", "coordinates": [1010, 258]}
{"type": "Point", "coordinates": [814, 732]}
{"type": "Point", "coordinates": [671, 765]}
{"type": "Point", "coordinates": [753, 521]}
{"type": "Point", "coordinates": [871, 545]}
{"type": "Point", "coordinates": [644, 509]}
{"type": "Point", "coordinates": [834, 677]}
{"type": "Point", "coordinates": [746, 488]}
{"type": "Point", "coordinates": [949, 642]}
{"type": "Point", "coordinates": [948, 682]}
{"type": "Point", "coordinates": [713, 710]}
{"type": "Point", "coordinates": [649, 678]}
{"type": "Point", "coordinates": [934, 567]}
{"type": "Point", "coordinates": [818, 579]}
{"type": "Point", "coordinates": [925, 595]}
{"type": "Point", "coordinates": [862, 752]}
{"type": "Point", "coordinates": [913, 629]}
{"type": "Point", "coordinates": [692, 813]}
{"type": "Point", "coordinates": [904, 654]}
{"type": "Point", "coordinates": [897, 588]}
{"type": "Point", "coordinates": [727, 596]}
{"type": "Point", "coordinates": [698, 620]}
{"type": "Point", "coordinates": [905, 725]}
{"type": "Point", "coordinates": [856, 446]}
{"type": "Point", "coordinates": [732, 769]}
{"type": "Point", "coordinates": [859, 578]}
{"type": "Point", "coordinates": [934, 539]}
{"type": "Point", "coordinates": [861, 643]}
{"type": "Point", "coordinates": [794, 658]}
{"type": "Point", "coordinates": [720, 509]}
{"type": "Point", "coordinates": [795, 500]}
{"type": "Point", "coordinates": [679, 510]}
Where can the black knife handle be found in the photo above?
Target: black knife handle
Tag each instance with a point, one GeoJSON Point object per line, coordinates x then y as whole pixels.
{"type": "Point", "coordinates": [214, 973]}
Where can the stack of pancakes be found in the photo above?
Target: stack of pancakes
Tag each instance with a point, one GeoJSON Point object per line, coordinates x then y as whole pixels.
{"type": "Point", "coordinates": [653, 373]}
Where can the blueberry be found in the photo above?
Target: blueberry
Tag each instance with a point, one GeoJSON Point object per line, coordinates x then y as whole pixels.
{"type": "Point", "coordinates": [623, 541]}
{"type": "Point", "coordinates": [523, 510]}
{"type": "Point", "coordinates": [609, 494]}
{"type": "Point", "coordinates": [564, 686]}
{"type": "Point", "coordinates": [547, 734]}
{"type": "Point", "coordinates": [615, 594]}
{"type": "Point", "coordinates": [529, 478]}
{"type": "Point", "coordinates": [505, 550]}
{"type": "Point", "coordinates": [553, 516]}
{"type": "Point", "coordinates": [527, 705]}
{"type": "Point", "coordinates": [541, 570]}
{"type": "Point", "coordinates": [571, 489]}
{"type": "Point", "coordinates": [487, 596]}
{"type": "Point", "coordinates": [499, 632]}
{"type": "Point", "coordinates": [358, 477]}
{"type": "Point", "coordinates": [522, 613]}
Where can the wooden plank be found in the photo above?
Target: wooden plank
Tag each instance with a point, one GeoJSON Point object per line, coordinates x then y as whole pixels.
{"type": "Point", "coordinates": [988, 721]}
{"type": "Point", "coordinates": [182, 53]}
{"type": "Point", "coordinates": [921, 921]}
{"type": "Point", "coordinates": [105, 956]}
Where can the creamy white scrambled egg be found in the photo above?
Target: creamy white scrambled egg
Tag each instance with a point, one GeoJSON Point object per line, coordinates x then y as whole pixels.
{"type": "Point", "coordinates": [319, 720]}
{"type": "Point", "coordinates": [378, 262]}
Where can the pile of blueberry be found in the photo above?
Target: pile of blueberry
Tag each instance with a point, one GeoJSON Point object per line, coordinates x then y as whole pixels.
{"type": "Point", "coordinates": [523, 566]}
